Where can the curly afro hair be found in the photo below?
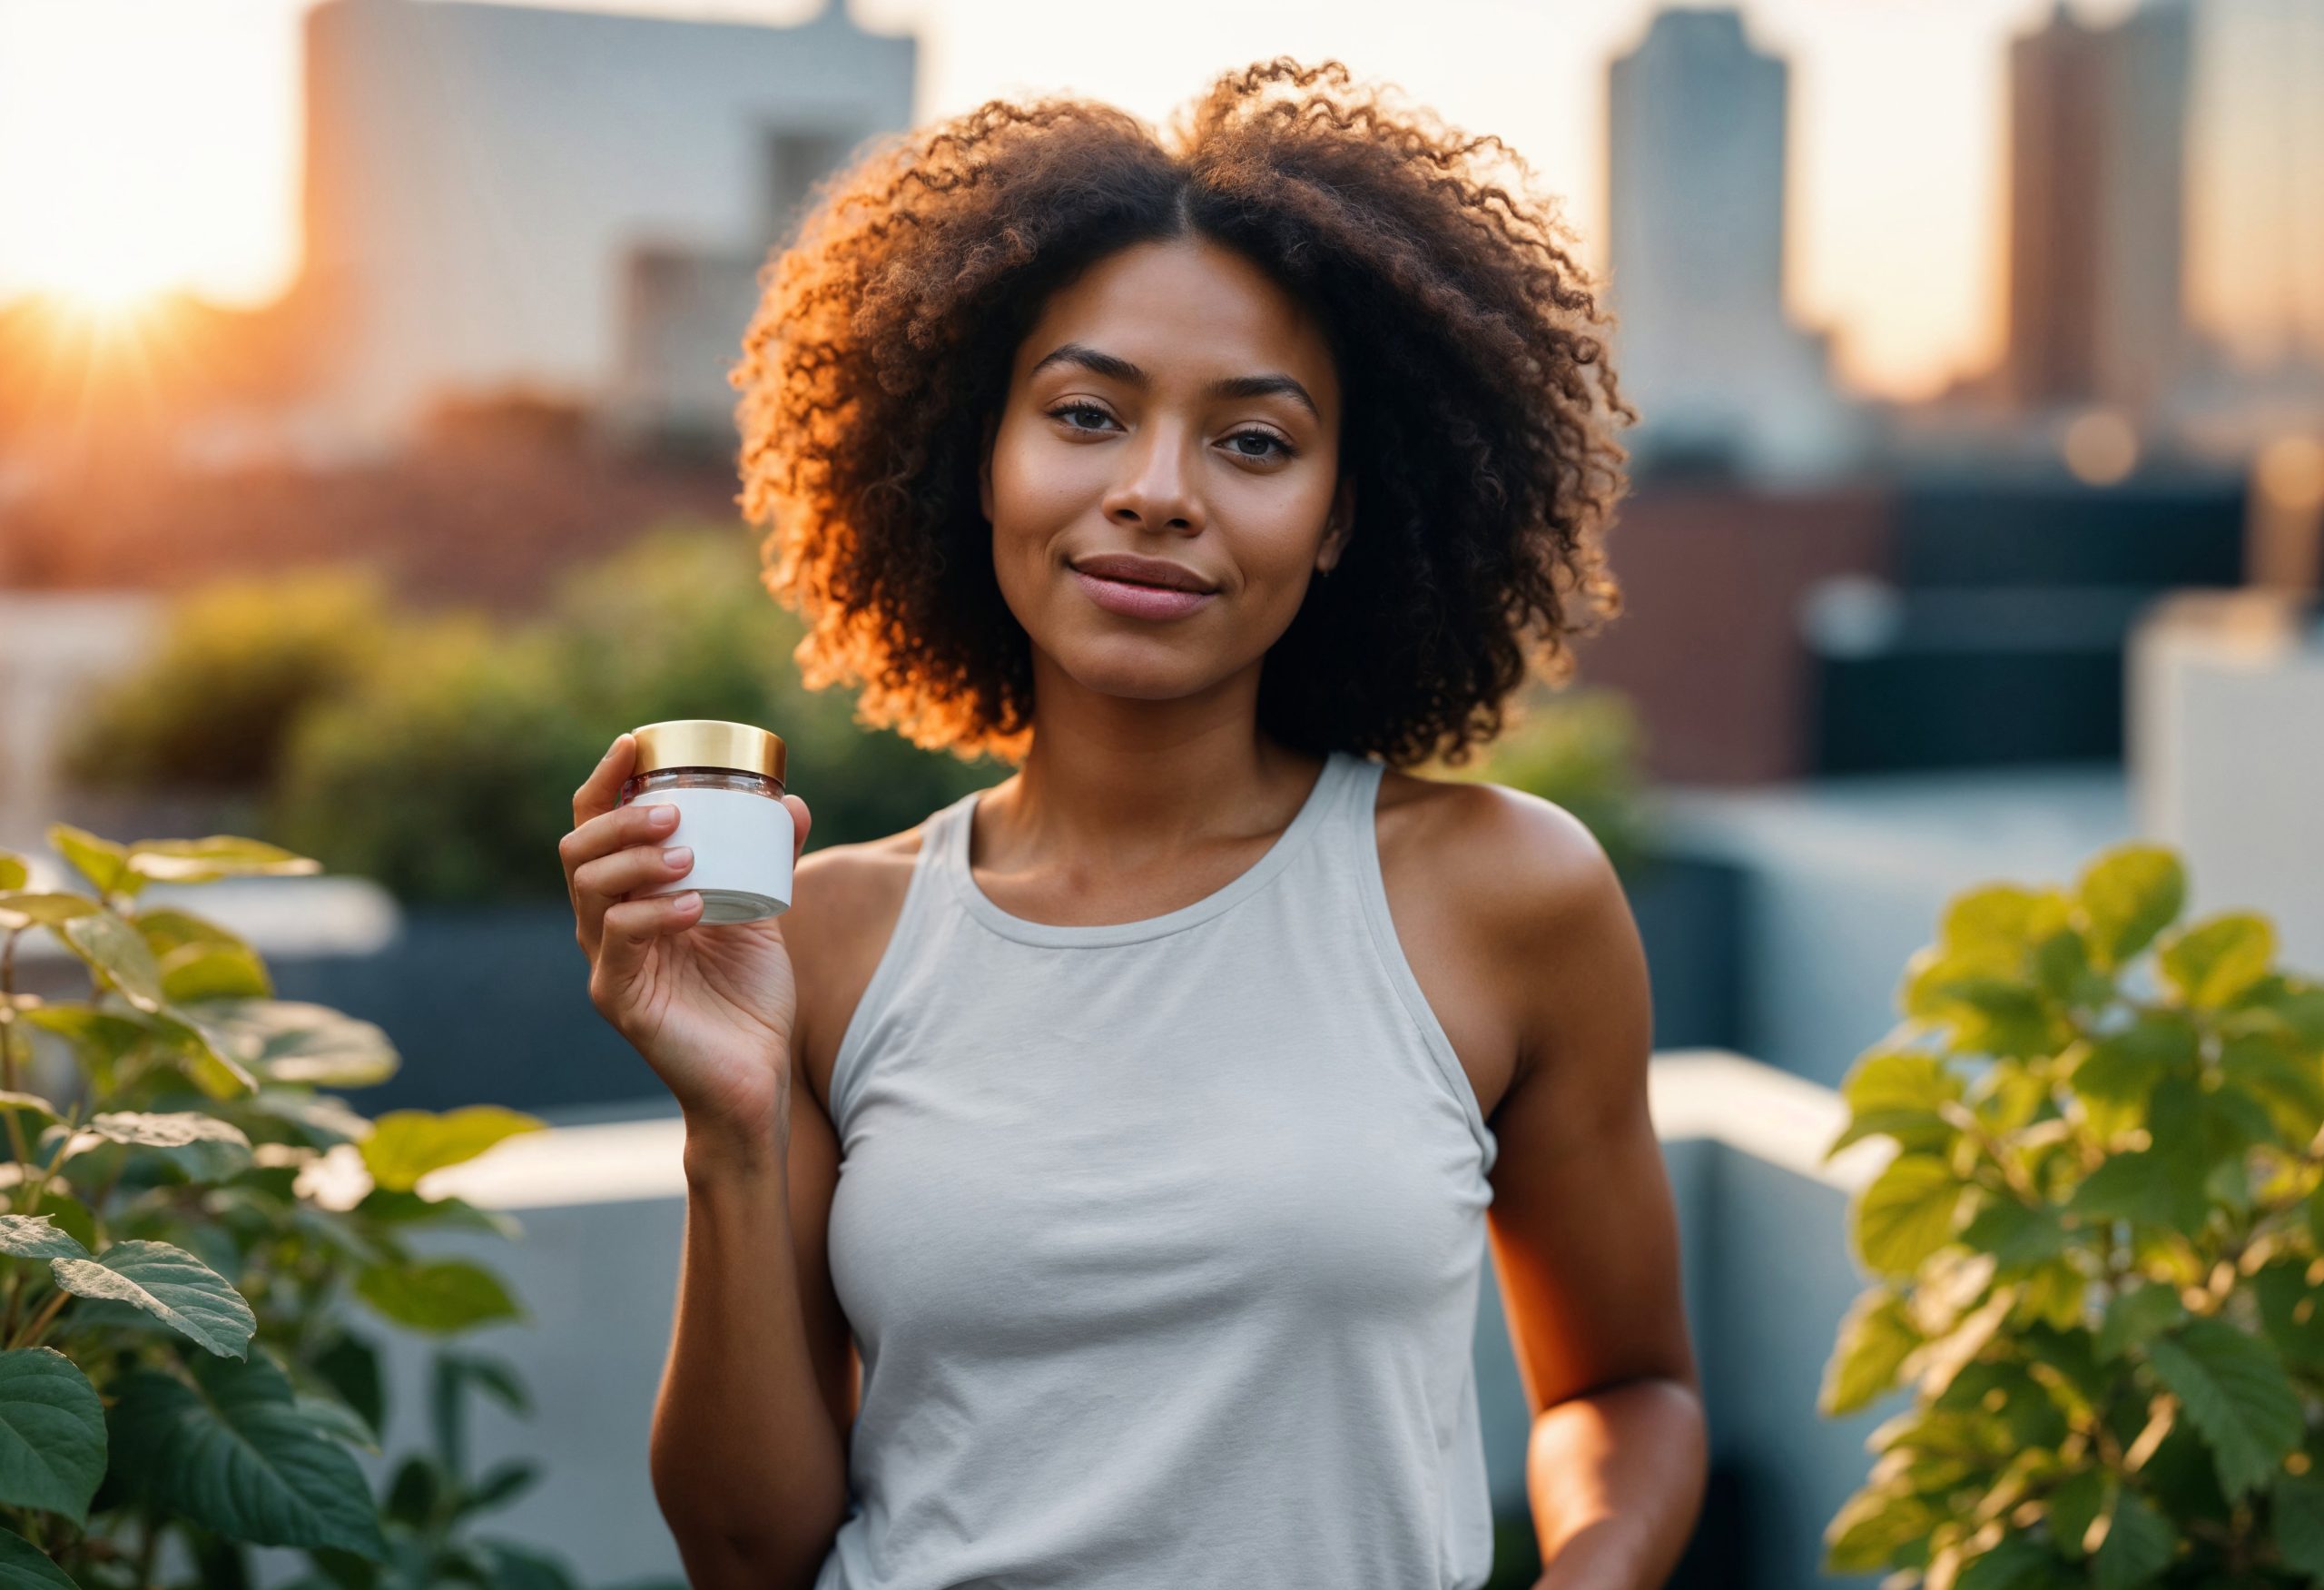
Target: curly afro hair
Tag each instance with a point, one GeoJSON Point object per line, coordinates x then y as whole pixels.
{"type": "Point", "coordinates": [1461, 328]}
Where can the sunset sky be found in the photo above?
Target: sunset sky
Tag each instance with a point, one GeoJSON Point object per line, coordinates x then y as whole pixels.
{"type": "Point", "coordinates": [149, 144]}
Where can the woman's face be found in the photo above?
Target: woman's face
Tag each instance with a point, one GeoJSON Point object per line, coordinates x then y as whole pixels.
{"type": "Point", "coordinates": [1172, 403]}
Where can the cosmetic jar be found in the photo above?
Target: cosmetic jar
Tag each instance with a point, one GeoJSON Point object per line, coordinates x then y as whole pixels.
{"type": "Point", "coordinates": [726, 781]}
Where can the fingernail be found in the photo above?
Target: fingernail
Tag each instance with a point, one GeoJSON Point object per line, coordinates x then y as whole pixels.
{"type": "Point", "coordinates": [677, 855]}
{"type": "Point", "coordinates": [664, 815]}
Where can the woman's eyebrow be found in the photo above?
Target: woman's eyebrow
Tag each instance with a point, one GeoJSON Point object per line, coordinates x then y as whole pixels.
{"type": "Point", "coordinates": [1121, 370]}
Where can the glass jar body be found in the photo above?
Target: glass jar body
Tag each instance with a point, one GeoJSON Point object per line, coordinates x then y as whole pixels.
{"type": "Point", "coordinates": [740, 831]}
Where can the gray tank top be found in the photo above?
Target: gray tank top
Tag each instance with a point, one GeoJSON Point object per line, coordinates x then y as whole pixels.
{"type": "Point", "coordinates": [1161, 1240]}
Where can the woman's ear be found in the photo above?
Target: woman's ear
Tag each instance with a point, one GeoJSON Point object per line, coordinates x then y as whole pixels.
{"type": "Point", "coordinates": [1338, 525]}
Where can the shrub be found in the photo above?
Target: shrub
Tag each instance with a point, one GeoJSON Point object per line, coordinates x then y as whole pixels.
{"type": "Point", "coordinates": [183, 1226]}
{"type": "Point", "coordinates": [448, 775]}
{"type": "Point", "coordinates": [2097, 1248]}
{"type": "Point", "coordinates": [237, 664]}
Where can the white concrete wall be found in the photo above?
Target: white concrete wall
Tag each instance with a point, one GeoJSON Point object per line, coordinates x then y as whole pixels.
{"type": "Point", "coordinates": [2226, 747]}
{"type": "Point", "coordinates": [55, 644]}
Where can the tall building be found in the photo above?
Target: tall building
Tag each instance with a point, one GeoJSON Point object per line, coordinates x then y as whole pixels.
{"type": "Point", "coordinates": [2097, 214]}
{"type": "Point", "coordinates": [1696, 202]}
{"type": "Point", "coordinates": [496, 195]}
{"type": "Point", "coordinates": [2258, 158]}
{"type": "Point", "coordinates": [2142, 291]}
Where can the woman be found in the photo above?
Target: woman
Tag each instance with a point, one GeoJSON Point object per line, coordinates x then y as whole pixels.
{"type": "Point", "coordinates": [1171, 1078]}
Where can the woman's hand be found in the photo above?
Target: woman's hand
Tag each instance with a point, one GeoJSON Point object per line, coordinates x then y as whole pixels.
{"type": "Point", "coordinates": [711, 1008]}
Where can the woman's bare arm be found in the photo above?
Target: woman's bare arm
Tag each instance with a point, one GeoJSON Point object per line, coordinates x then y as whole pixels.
{"type": "Point", "coordinates": [1584, 1235]}
{"type": "Point", "coordinates": [749, 1455]}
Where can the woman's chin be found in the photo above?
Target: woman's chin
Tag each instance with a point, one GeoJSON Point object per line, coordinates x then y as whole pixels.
{"type": "Point", "coordinates": [1137, 668]}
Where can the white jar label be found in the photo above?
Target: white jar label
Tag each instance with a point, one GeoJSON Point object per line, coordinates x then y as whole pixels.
{"type": "Point", "coordinates": [741, 851]}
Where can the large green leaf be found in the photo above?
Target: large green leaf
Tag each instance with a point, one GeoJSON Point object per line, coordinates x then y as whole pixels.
{"type": "Point", "coordinates": [516, 1566]}
{"type": "Point", "coordinates": [323, 1119]}
{"type": "Point", "coordinates": [1897, 1093]}
{"type": "Point", "coordinates": [2003, 920]}
{"type": "Point", "coordinates": [18, 910]}
{"type": "Point", "coordinates": [1877, 1523]}
{"type": "Point", "coordinates": [350, 1366]}
{"type": "Point", "coordinates": [2018, 1235]}
{"type": "Point", "coordinates": [37, 1237]}
{"type": "Point", "coordinates": [13, 871]}
{"type": "Point", "coordinates": [2291, 1311]}
{"type": "Point", "coordinates": [167, 929]}
{"type": "Point", "coordinates": [2299, 1524]}
{"type": "Point", "coordinates": [407, 1144]}
{"type": "Point", "coordinates": [235, 1452]}
{"type": "Point", "coordinates": [99, 1038]}
{"type": "Point", "coordinates": [215, 1071]}
{"type": "Point", "coordinates": [112, 948]}
{"type": "Point", "coordinates": [32, 1104]}
{"type": "Point", "coordinates": [72, 1217]}
{"type": "Point", "coordinates": [170, 1284]}
{"type": "Point", "coordinates": [2140, 1544]}
{"type": "Point", "coordinates": [2075, 1506]}
{"type": "Point", "coordinates": [1875, 1340]}
{"type": "Point", "coordinates": [1985, 1013]}
{"type": "Point", "coordinates": [2017, 1562]}
{"type": "Point", "coordinates": [52, 1434]}
{"type": "Point", "coordinates": [205, 1146]}
{"type": "Point", "coordinates": [2235, 1393]}
{"type": "Point", "coordinates": [2290, 1085]}
{"type": "Point", "coordinates": [1908, 1213]}
{"type": "Point", "coordinates": [2117, 1073]}
{"type": "Point", "coordinates": [104, 864]}
{"type": "Point", "coordinates": [217, 855]}
{"type": "Point", "coordinates": [24, 1567]}
{"type": "Point", "coordinates": [2062, 969]}
{"type": "Point", "coordinates": [200, 959]}
{"type": "Point", "coordinates": [2137, 1317]}
{"type": "Point", "coordinates": [2163, 1184]}
{"type": "Point", "coordinates": [2216, 958]}
{"type": "Point", "coordinates": [442, 1295]}
{"type": "Point", "coordinates": [2138, 1186]}
{"type": "Point", "coordinates": [2128, 894]}
{"type": "Point", "coordinates": [408, 1208]}
{"type": "Point", "coordinates": [199, 973]}
{"type": "Point", "coordinates": [292, 1040]}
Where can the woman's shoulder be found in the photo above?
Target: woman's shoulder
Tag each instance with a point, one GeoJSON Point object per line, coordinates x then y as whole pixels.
{"type": "Point", "coordinates": [1476, 828]}
{"type": "Point", "coordinates": [845, 900]}
{"type": "Point", "coordinates": [1516, 869]}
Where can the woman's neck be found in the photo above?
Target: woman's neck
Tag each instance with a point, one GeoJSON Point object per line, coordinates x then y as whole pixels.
{"type": "Point", "coordinates": [1126, 785]}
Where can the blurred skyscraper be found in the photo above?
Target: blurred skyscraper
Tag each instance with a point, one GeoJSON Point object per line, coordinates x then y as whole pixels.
{"type": "Point", "coordinates": [2097, 215]}
{"type": "Point", "coordinates": [1695, 200]}
{"type": "Point", "coordinates": [574, 201]}
{"type": "Point", "coordinates": [2259, 187]}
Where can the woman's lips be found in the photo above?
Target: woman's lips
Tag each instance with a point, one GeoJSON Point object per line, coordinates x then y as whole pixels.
{"type": "Point", "coordinates": [1140, 601]}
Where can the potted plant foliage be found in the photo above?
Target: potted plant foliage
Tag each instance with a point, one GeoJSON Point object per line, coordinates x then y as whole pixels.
{"type": "Point", "coordinates": [190, 1226]}
{"type": "Point", "coordinates": [2095, 1249]}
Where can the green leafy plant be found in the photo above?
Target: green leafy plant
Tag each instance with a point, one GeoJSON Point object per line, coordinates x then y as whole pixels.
{"type": "Point", "coordinates": [434, 1498]}
{"type": "Point", "coordinates": [2096, 1247]}
{"type": "Point", "coordinates": [446, 770]}
{"type": "Point", "coordinates": [237, 663]}
{"type": "Point", "coordinates": [183, 1222]}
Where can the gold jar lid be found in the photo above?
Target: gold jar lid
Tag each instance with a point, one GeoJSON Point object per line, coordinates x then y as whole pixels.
{"type": "Point", "coordinates": [707, 742]}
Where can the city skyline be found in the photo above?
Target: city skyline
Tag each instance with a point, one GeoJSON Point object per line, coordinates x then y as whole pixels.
{"type": "Point", "coordinates": [1893, 236]}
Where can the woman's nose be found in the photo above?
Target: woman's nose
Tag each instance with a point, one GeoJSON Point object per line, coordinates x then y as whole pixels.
{"type": "Point", "coordinates": [1157, 489]}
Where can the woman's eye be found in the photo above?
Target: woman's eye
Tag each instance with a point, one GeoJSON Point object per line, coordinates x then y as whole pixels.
{"type": "Point", "coordinates": [1063, 410]}
{"type": "Point", "coordinates": [1267, 438]}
